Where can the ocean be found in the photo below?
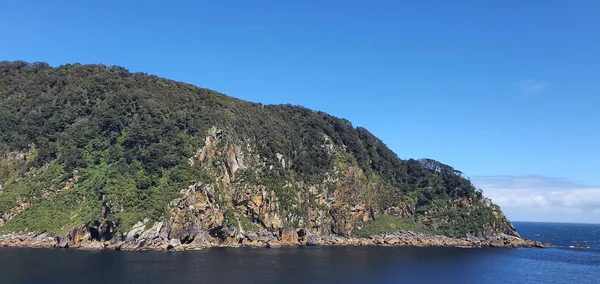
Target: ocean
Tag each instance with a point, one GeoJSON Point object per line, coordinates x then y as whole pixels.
{"type": "Point", "coordinates": [561, 263]}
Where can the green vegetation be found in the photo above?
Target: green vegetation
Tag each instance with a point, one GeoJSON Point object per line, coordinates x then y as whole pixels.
{"type": "Point", "coordinates": [59, 215]}
{"type": "Point", "coordinates": [234, 219]}
{"type": "Point", "coordinates": [464, 220]}
{"type": "Point", "coordinates": [30, 187]}
{"type": "Point", "coordinates": [390, 224]}
{"type": "Point", "coordinates": [128, 138]}
{"type": "Point", "coordinates": [247, 225]}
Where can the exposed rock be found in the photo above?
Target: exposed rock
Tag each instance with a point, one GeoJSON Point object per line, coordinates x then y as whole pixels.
{"type": "Point", "coordinates": [280, 159]}
{"type": "Point", "coordinates": [136, 230]}
{"type": "Point", "coordinates": [165, 229]}
{"type": "Point", "coordinates": [140, 243]}
{"type": "Point", "coordinates": [402, 210]}
{"type": "Point", "coordinates": [40, 239]}
{"type": "Point", "coordinates": [252, 236]}
{"type": "Point", "coordinates": [313, 240]}
{"type": "Point", "coordinates": [273, 244]}
{"type": "Point", "coordinates": [62, 242]}
{"type": "Point", "coordinates": [257, 217]}
{"type": "Point", "coordinates": [94, 245]}
{"type": "Point", "coordinates": [231, 237]}
{"type": "Point", "coordinates": [234, 160]}
{"type": "Point", "coordinates": [289, 236]}
{"type": "Point", "coordinates": [153, 233]}
{"type": "Point", "coordinates": [272, 221]}
{"type": "Point", "coordinates": [77, 235]}
{"type": "Point", "coordinates": [173, 243]}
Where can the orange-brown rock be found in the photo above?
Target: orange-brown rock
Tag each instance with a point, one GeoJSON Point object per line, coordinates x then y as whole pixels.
{"type": "Point", "coordinates": [289, 237]}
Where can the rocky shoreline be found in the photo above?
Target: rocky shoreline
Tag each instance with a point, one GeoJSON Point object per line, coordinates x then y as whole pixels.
{"type": "Point", "coordinates": [400, 239]}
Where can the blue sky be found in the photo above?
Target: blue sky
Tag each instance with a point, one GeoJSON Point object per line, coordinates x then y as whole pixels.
{"type": "Point", "coordinates": [505, 91]}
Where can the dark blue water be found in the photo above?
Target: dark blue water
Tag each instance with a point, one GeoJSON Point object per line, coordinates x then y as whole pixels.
{"type": "Point", "coordinates": [559, 264]}
{"type": "Point", "coordinates": [563, 235]}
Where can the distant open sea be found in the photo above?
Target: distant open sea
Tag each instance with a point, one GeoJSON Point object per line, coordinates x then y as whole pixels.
{"type": "Point", "coordinates": [559, 264]}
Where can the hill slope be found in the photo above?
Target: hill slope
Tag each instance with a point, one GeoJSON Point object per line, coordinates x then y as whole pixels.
{"type": "Point", "coordinates": [111, 155]}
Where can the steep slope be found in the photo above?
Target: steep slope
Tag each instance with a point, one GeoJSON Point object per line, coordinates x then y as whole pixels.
{"type": "Point", "coordinates": [98, 153]}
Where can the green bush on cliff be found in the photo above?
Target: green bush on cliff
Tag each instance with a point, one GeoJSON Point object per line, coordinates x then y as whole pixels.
{"type": "Point", "coordinates": [390, 224]}
{"type": "Point", "coordinates": [30, 187]}
{"type": "Point", "coordinates": [464, 220]}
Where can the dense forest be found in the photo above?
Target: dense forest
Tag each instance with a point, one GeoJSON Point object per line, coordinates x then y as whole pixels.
{"type": "Point", "coordinates": [121, 143]}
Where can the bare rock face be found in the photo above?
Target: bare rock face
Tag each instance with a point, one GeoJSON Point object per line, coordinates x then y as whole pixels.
{"type": "Point", "coordinates": [348, 218]}
{"type": "Point", "coordinates": [273, 244]}
{"type": "Point", "coordinates": [77, 235]}
{"type": "Point", "coordinates": [173, 243]}
{"type": "Point", "coordinates": [271, 220]}
{"type": "Point", "coordinates": [262, 206]}
{"type": "Point", "coordinates": [402, 211]}
{"type": "Point", "coordinates": [136, 230]}
{"type": "Point", "coordinates": [313, 240]}
{"type": "Point", "coordinates": [153, 232]}
{"type": "Point", "coordinates": [289, 236]}
{"type": "Point", "coordinates": [194, 212]}
{"type": "Point", "coordinates": [62, 242]}
{"type": "Point", "coordinates": [234, 160]}
{"type": "Point", "coordinates": [236, 204]}
{"type": "Point", "coordinates": [204, 154]}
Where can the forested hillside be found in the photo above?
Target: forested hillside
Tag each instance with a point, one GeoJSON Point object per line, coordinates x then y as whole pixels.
{"type": "Point", "coordinates": [98, 148]}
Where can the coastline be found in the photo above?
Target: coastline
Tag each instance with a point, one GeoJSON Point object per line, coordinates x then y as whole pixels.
{"type": "Point", "coordinates": [400, 239]}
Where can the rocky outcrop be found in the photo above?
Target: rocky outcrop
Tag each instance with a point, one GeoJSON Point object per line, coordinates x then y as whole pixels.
{"type": "Point", "coordinates": [289, 238]}
{"type": "Point", "coordinates": [234, 205]}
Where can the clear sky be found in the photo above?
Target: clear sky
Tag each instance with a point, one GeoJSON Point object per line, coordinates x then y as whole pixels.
{"type": "Point", "coordinates": [506, 91]}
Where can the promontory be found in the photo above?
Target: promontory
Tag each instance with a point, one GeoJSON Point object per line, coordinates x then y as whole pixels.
{"type": "Point", "coordinates": [95, 156]}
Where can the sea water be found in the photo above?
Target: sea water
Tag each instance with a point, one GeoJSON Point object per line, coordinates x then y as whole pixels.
{"type": "Point", "coordinates": [561, 263]}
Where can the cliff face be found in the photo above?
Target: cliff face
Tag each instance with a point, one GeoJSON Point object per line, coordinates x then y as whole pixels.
{"type": "Point", "coordinates": [97, 155]}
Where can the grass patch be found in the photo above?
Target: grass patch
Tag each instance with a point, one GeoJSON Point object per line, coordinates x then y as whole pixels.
{"type": "Point", "coordinates": [30, 187]}
{"type": "Point", "coordinates": [59, 214]}
{"type": "Point", "coordinates": [389, 224]}
{"type": "Point", "coordinates": [248, 225]}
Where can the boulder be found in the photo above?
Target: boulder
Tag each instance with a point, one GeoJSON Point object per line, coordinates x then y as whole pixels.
{"type": "Point", "coordinates": [140, 244]}
{"type": "Point", "coordinates": [39, 239]}
{"type": "Point", "coordinates": [62, 242]}
{"type": "Point", "coordinates": [313, 240]}
{"type": "Point", "coordinates": [94, 245]}
{"type": "Point", "coordinates": [173, 243]}
{"type": "Point", "coordinates": [392, 240]}
{"type": "Point", "coordinates": [77, 235]}
{"type": "Point", "coordinates": [187, 231]}
{"type": "Point", "coordinates": [153, 232]}
{"type": "Point", "coordinates": [251, 236]}
{"type": "Point", "coordinates": [136, 230]}
{"type": "Point", "coordinates": [163, 234]}
{"type": "Point", "coordinates": [273, 244]}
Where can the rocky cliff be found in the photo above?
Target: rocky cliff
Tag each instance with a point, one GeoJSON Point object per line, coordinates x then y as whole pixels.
{"type": "Point", "coordinates": [94, 156]}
